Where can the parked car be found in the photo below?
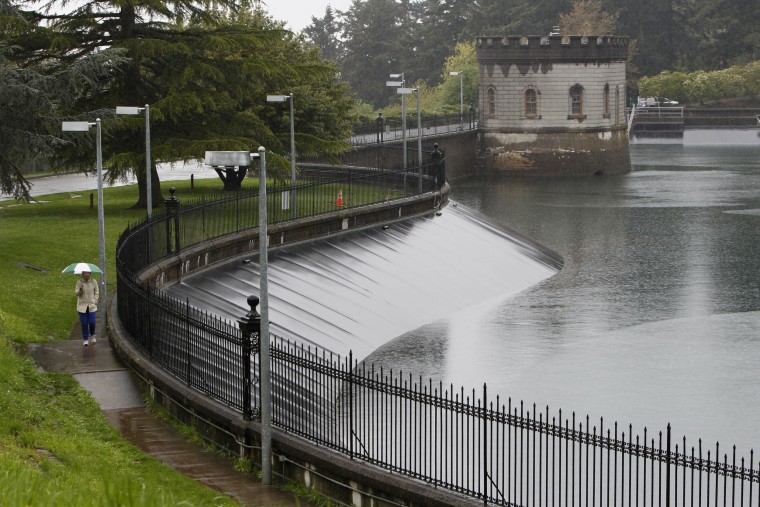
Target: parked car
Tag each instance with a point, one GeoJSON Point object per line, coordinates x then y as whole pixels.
{"type": "Point", "coordinates": [656, 102]}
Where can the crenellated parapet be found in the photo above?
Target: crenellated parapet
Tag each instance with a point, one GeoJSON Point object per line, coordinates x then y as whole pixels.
{"type": "Point", "coordinates": [551, 48]}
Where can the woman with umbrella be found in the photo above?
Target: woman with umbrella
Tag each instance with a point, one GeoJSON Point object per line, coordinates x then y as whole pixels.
{"type": "Point", "coordinates": [87, 293]}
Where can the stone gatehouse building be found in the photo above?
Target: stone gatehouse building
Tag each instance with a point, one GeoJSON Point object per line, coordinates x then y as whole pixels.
{"type": "Point", "coordinates": [553, 105]}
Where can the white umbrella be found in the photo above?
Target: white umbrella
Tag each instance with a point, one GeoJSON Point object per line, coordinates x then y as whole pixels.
{"type": "Point", "coordinates": [78, 268]}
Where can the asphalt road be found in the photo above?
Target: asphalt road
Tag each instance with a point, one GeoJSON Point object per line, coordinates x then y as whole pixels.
{"type": "Point", "coordinates": [78, 182]}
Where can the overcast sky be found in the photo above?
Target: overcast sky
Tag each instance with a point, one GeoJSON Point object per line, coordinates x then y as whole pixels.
{"type": "Point", "coordinates": [297, 13]}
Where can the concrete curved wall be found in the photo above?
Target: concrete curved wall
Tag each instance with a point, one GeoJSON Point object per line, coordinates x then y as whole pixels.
{"type": "Point", "coordinates": [332, 475]}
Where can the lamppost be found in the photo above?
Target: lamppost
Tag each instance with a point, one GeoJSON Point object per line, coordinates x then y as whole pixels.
{"type": "Point", "coordinates": [132, 111]}
{"type": "Point", "coordinates": [403, 107]}
{"type": "Point", "coordinates": [418, 93]}
{"type": "Point", "coordinates": [403, 92]}
{"type": "Point", "coordinates": [266, 379]}
{"type": "Point", "coordinates": [461, 97]}
{"type": "Point", "coordinates": [283, 98]}
{"type": "Point", "coordinates": [84, 126]}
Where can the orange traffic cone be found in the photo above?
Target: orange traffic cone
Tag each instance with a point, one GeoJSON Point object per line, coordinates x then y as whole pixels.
{"type": "Point", "coordinates": [339, 200]}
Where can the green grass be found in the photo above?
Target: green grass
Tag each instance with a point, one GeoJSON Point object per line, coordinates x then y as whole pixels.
{"type": "Point", "coordinates": [54, 232]}
{"type": "Point", "coordinates": [56, 447]}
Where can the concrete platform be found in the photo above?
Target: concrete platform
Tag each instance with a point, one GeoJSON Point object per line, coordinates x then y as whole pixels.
{"type": "Point", "coordinates": [98, 369]}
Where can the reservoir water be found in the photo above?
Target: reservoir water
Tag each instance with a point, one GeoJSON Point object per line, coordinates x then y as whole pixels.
{"type": "Point", "coordinates": [654, 317]}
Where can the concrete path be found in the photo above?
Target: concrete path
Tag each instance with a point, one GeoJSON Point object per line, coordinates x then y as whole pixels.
{"type": "Point", "coordinates": [98, 369]}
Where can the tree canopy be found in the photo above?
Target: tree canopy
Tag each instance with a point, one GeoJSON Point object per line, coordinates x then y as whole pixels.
{"type": "Point", "coordinates": [205, 72]}
{"type": "Point", "coordinates": [415, 37]}
{"type": "Point", "coordinates": [33, 97]}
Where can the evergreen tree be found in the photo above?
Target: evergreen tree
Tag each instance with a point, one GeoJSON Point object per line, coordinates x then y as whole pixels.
{"type": "Point", "coordinates": [323, 33]}
{"type": "Point", "coordinates": [587, 18]}
{"type": "Point", "coordinates": [374, 43]}
{"type": "Point", "coordinates": [718, 33]}
{"type": "Point", "coordinates": [205, 74]}
{"type": "Point", "coordinates": [441, 25]}
{"type": "Point", "coordinates": [33, 95]}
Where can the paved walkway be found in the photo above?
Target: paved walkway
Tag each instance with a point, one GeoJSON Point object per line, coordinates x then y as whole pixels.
{"type": "Point", "coordinates": [98, 369]}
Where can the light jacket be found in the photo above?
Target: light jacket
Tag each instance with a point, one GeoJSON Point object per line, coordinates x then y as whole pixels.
{"type": "Point", "coordinates": [89, 299]}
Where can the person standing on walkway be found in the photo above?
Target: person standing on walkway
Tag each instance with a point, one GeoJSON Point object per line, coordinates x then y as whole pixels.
{"type": "Point", "coordinates": [87, 292]}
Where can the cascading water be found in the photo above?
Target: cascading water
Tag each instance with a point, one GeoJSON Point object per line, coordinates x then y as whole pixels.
{"type": "Point", "coordinates": [356, 291]}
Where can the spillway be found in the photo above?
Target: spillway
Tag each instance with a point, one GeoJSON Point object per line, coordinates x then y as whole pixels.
{"type": "Point", "coordinates": [358, 290]}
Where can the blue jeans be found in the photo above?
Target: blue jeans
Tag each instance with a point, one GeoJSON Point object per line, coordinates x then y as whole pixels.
{"type": "Point", "coordinates": [87, 319]}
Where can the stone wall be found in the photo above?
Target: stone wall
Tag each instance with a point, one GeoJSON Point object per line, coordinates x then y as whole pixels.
{"type": "Point", "coordinates": [553, 140]}
{"type": "Point", "coordinates": [558, 154]}
{"type": "Point", "coordinates": [552, 85]}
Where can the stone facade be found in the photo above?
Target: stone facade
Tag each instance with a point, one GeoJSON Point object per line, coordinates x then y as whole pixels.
{"type": "Point", "coordinates": [553, 104]}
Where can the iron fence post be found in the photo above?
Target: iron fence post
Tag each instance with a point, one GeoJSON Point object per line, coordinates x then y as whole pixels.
{"type": "Point", "coordinates": [188, 362]}
{"type": "Point", "coordinates": [148, 297]}
{"type": "Point", "coordinates": [250, 326]}
{"type": "Point", "coordinates": [351, 404]}
{"type": "Point", "coordinates": [172, 218]}
{"type": "Point", "coordinates": [667, 469]}
{"type": "Point", "coordinates": [485, 445]}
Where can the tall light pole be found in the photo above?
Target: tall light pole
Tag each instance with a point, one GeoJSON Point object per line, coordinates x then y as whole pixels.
{"type": "Point", "coordinates": [126, 110]}
{"type": "Point", "coordinates": [283, 98]}
{"type": "Point", "coordinates": [403, 92]}
{"type": "Point", "coordinates": [418, 93]}
{"type": "Point", "coordinates": [461, 96]}
{"type": "Point", "coordinates": [266, 380]}
{"type": "Point", "coordinates": [84, 126]}
{"type": "Point", "coordinates": [403, 107]}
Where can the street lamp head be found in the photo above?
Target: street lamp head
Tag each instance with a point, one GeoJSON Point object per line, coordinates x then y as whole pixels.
{"type": "Point", "coordinates": [127, 110]}
{"type": "Point", "coordinates": [277, 98]}
{"type": "Point", "coordinates": [455, 73]}
{"type": "Point", "coordinates": [76, 126]}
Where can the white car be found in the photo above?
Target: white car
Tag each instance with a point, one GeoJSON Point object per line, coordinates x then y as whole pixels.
{"type": "Point", "coordinates": [656, 102]}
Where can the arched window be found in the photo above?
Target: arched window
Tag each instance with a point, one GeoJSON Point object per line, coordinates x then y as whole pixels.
{"type": "Point", "coordinates": [606, 100]}
{"type": "Point", "coordinates": [531, 103]}
{"type": "Point", "coordinates": [491, 102]}
{"type": "Point", "coordinates": [576, 101]}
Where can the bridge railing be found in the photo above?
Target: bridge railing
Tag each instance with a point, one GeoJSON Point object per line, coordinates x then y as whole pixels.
{"type": "Point", "coordinates": [383, 130]}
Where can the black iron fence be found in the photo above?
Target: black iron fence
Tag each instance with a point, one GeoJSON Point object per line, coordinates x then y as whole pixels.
{"type": "Point", "coordinates": [467, 441]}
{"type": "Point", "coordinates": [494, 450]}
{"type": "Point", "coordinates": [207, 353]}
{"type": "Point", "coordinates": [383, 129]}
{"type": "Point", "coordinates": [321, 188]}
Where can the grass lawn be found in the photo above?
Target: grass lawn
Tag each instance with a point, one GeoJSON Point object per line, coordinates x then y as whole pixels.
{"type": "Point", "coordinates": [56, 447]}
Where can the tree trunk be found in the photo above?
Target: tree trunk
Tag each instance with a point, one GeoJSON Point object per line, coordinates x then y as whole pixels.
{"type": "Point", "coordinates": [231, 177]}
{"type": "Point", "coordinates": [142, 188]}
